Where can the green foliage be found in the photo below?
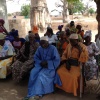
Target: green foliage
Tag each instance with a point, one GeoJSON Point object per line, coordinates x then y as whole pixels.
{"type": "Point", "coordinates": [72, 1]}
{"type": "Point", "coordinates": [75, 7]}
{"type": "Point", "coordinates": [25, 10]}
{"type": "Point", "coordinates": [91, 11]}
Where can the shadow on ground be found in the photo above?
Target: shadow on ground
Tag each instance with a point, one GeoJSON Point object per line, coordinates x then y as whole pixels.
{"type": "Point", "coordinates": [9, 90]}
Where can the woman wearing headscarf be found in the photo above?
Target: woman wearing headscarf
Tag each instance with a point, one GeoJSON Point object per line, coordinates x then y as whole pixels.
{"type": "Point", "coordinates": [52, 38]}
{"type": "Point", "coordinates": [60, 30]}
{"type": "Point", "coordinates": [6, 53]}
{"type": "Point", "coordinates": [25, 60]}
{"type": "Point", "coordinates": [91, 66]}
{"type": "Point", "coordinates": [62, 44]}
{"type": "Point", "coordinates": [79, 31]}
{"type": "Point", "coordinates": [69, 70]}
{"type": "Point", "coordinates": [2, 28]}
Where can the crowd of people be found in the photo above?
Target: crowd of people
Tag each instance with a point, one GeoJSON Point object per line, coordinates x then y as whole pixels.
{"type": "Point", "coordinates": [50, 61]}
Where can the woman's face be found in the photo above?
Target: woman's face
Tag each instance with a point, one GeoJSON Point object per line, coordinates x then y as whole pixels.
{"type": "Point", "coordinates": [48, 33]}
{"type": "Point", "coordinates": [88, 39]}
{"type": "Point", "coordinates": [74, 42]}
{"type": "Point", "coordinates": [31, 39]}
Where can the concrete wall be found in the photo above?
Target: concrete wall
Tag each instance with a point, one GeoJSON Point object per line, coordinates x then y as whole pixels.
{"type": "Point", "coordinates": [22, 25]}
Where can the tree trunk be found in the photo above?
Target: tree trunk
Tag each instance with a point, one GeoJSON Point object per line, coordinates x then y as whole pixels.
{"type": "Point", "coordinates": [98, 14]}
{"type": "Point", "coordinates": [65, 11]}
{"type": "Point", "coordinates": [33, 13]}
{"type": "Point", "coordinates": [3, 13]}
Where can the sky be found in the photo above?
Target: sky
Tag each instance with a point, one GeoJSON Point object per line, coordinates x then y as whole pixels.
{"type": "Point", "coordinates": [15, 6]}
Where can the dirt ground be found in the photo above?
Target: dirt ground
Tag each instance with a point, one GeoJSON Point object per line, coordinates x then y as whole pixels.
{"type": "Point", "coordinates": [12, 91]}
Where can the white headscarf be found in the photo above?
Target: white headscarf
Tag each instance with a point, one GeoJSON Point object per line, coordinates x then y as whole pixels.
{"type": "Point", "coordinates": [44, 38]}
{"type": "Point", "coordinates": [73, 36]}
{"type": "Point", "coordinates": [88, 33]}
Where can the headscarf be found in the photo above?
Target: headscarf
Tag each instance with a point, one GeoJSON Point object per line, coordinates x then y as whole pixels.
{"type": "Point", "coordinates": [88, 33]}
{"type": "Point", "coordinates": [44, 38]}
{"type": "Point", "coordinates": [14, 33]}
{"type": "Point", "coordinates": [35, 29]}
{"type": "Point", "coordinates": [60, 27]}
{"type": "Point", "coordinates": [73, 36]}
{"type": "Point", "coordinates": [2, 21]}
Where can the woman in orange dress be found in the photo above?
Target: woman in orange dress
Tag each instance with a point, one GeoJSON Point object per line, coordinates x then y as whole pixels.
{"type": "Point", "coordinates": [62, 44]}
{"type": "Point", "coordinates": [69, 71]}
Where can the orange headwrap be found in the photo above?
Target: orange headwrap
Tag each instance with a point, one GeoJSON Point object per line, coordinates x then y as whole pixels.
{"type": "Point", "coordinates": [35, 29]}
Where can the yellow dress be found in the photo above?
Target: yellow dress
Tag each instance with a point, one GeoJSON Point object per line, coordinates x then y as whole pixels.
{"type": "Point", "coordinates": [4, 65]}
{"type": "Point", "coordinates": [70, 78]}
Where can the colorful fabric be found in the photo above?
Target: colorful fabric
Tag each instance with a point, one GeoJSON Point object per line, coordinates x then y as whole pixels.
{"type": "Point", "coordinates": [10, 38]}
{"type": "Point", "coordinates": [14, 33]}
{"type": "Point", "coordinates": [4, 66]}
{"type": "Point", "coordinates": [6, 50]}
{"type": "Point", "coordinates": [61, 46]}
{"type": "Point", "coordinates": [21, 68]}
{"type": "Point", "coordinates": [73, 29]}
{"type": "Point", "coordinates": [42, 80]}
{"type": "Point", "coordinates": [17, 44]}
{"type": "Point", "coordinates": [69, 78]}
{"type": "Point", "coordinates": [91, 66]}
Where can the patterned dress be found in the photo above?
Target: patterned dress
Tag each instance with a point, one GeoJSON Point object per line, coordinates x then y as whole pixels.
{"type": "Point", "coordinates": [20, 68]}
{"type": "Point", "coordinates": [5, 65]}
{"type": "Point", "coordinates": [91, 66]}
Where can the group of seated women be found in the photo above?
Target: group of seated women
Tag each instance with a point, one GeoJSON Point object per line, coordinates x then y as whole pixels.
{"type": "Point", "coordinates": [52, 59]}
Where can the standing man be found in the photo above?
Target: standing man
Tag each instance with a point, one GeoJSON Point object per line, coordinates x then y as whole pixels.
{"type": "Point", "coordinates": [43, 76]}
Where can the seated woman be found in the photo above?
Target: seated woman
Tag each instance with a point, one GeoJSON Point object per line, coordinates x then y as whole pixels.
{"type": "Point", "coordinates": [24, 61]}
{"type": "Point", "coordinates": [60, 30]}
{"type": "Point", "coordinates": [79, 30]}
{"type": "Point", "coordinates": [52, 38]}
{"type": "Point", "coordinates": [2, 28]}
{"type": "Point", "coordinates": [6, 53]}
{"type": "Point", "coordinates": [91, 66]}
{"type": "Point", "coordinates": [69, 71]}
{"type": "Point", "coordinates": [17, 44]}
{"type": "Point", "coordinates": [62, 44]}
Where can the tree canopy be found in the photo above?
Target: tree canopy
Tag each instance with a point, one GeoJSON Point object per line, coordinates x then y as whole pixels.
{"type": "Point", "coordinates": [25, 10]}
{"type": "Point", "coordinates": [76, 7]}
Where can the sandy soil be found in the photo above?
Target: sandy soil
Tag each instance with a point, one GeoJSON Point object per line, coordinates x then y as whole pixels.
{"type": "Point", "coordinates": [12, 91]}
